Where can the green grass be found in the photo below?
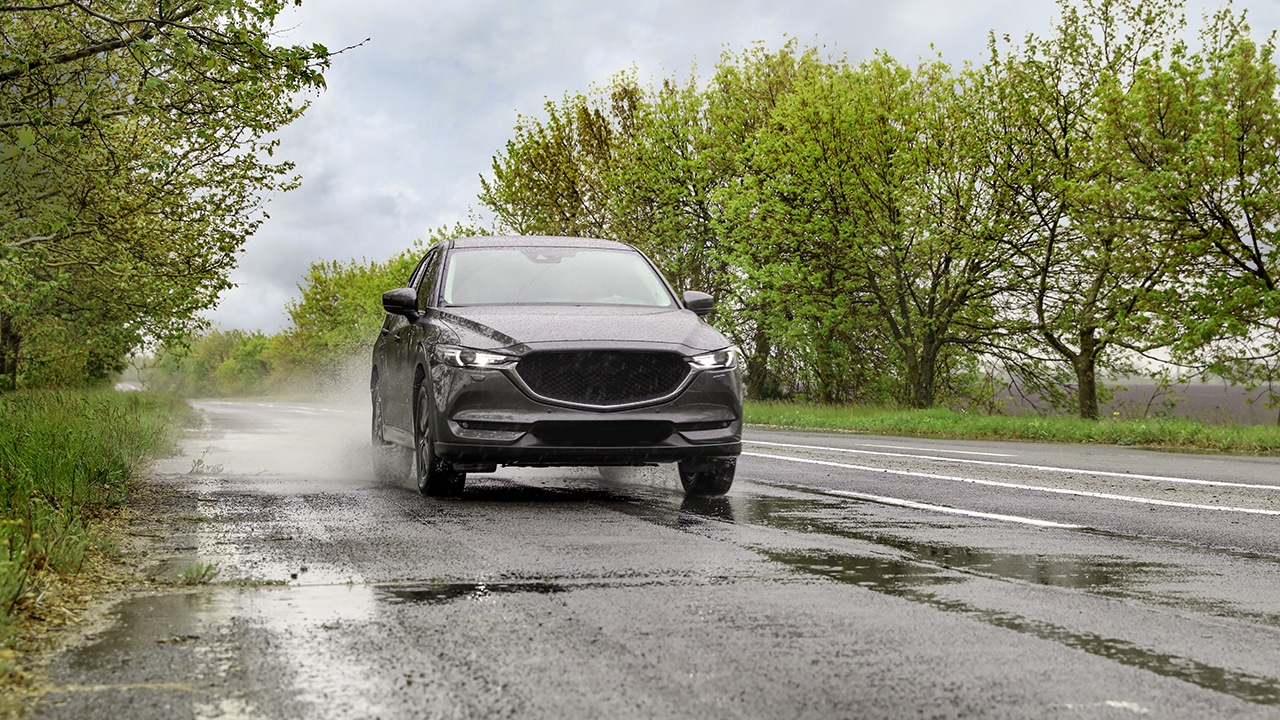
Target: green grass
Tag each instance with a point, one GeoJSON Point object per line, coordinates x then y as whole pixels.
{"type": "Point", "coordinates": [198, 574]}
{"type": "Point", "coordinates": [65, 458]}
{"type": "Point", "coordinates": [1164, 433]}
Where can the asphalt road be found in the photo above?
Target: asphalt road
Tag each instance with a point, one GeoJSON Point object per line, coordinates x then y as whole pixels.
{"type": "Point", "coordinates": [844, 576]}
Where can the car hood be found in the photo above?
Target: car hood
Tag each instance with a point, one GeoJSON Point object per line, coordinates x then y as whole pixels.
{"type": "Point", "coordinates": [524, 328]}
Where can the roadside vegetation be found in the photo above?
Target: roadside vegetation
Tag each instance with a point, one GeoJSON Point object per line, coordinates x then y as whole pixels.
{"type": "Point", "coordinates": [332, 325]}
{"type": "Point", "coordinates": [1096, 202]}
{"type": "Point", "coordinates": [1164, 433]}
{"type": "Point", "coordinates": [67, 458]}
{"type": "Point", "coordinates": [137, 148]}
{"type": "Point", "coordinates": [913, 236]}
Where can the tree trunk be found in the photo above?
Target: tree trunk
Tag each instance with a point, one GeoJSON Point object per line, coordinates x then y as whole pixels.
{"type": "Point", "coordinates": [922, 375]}
{"type": "Point", "coordinates": [10, 343]}
{"type": "Point", "coordinates": [1086, 376]}
{"type": "Point", "coordinates": [760, 385]}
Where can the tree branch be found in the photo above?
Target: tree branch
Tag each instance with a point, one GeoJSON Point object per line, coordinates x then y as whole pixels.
{"type": "Point", "coordinates": [103, 46]}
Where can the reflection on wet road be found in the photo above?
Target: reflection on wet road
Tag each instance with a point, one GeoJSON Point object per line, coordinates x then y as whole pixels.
{"type": "Point", "coordinates": [912, 582]}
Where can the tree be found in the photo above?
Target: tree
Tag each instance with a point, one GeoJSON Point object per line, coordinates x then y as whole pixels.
{"type": "Point", "coordinates": [874, 219]}
{"type": "Point", "coordinates": [1090, 259]}
{"type": "Point", "coordinates": [214, 364]}
{"type": "Point", "coordinates": [662, 184]}
{"type": "Point", "coordinates": [340, 310]}
{"type": "Point", "coordinates": [552, 178]}
{"type": "Point", "coordinates": [136, 153]}
{"type": "Point", "coordinates": [741, 98]}
{"type": "Point", "coordinates": [1204, 129]}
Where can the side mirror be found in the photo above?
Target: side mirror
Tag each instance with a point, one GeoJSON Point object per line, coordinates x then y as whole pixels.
{"type": "Point", "coordinates": [700, 303]}
{"type": "Point", "coordinates": [401, 301]}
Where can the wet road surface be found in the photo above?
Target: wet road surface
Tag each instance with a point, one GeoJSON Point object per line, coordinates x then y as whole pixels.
{"type": "Point", "coordinates": [843, 576]}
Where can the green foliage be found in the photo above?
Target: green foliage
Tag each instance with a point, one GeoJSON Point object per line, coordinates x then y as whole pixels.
{"type": "Point", "coordinates": [1165, 433]}
{"type": "Point", "coordinates": [1089, 258]}
{"type": "Point", "coordinates": [864, 205]}
{"type": "Point", "coordinates": [135, 150]}
{"type": "Point", "coordinates": [340, 309]}
{"type": "Point", "coordinates": [198, 574]}
{"type": "Point", "coordinates": [219, 363]}
{"type": "Point", "coordinates": [552, 178]}
{"type": "Point", "coordinates": [333, 324]}
{"type": "Point", "coordinates": [65, 457]}
{"type": "Point", "coordinates": [1205, 127]}
{"type": "Point", "coordinates": [890, 234]}
{"type": "Point", "coordinates": [335, 320]}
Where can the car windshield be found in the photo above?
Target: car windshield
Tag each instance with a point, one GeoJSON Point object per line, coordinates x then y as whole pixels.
{"type": "Point", "coordinates": [552, 275]}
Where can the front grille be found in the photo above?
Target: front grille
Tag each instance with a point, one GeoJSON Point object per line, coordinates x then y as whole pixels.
{"type": "Point", "coordinates": [602, 378]}
{"type": "Point", "coordinates": [602, 433]}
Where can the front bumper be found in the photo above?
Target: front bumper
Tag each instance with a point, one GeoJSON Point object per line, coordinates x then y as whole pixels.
{"type": "Point", "coordinates": [484, 417]}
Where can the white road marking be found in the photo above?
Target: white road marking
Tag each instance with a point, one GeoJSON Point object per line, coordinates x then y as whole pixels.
{"type": "Point", "coordinates": [953, 452]}
{"type": "Point", "coordinates": [1023, 466]}
{"type": "Point", "coordinates": [951, 510]}
{"type": "Point", "coordinates": [1018, 486]}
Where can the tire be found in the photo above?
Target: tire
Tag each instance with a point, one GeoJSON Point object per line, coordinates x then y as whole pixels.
{"type": "Point", "coordinates": [707, 476]}
{"type": "Point", "coordinates": [436, 477]}
{"type": "Point", "coordinates": [390, 461]}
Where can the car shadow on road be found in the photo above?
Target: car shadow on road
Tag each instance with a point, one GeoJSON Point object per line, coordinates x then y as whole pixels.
{"type": "Point", "coordinates": [615, 495]}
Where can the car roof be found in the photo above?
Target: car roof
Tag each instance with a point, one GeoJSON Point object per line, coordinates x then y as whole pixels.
{"type": "Point", "coordinates": [536, 241]}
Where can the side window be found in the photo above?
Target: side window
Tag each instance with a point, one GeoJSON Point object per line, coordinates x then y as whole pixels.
{"type": "Point", "coordinates": [427, 284]}
{"type": "Point", "coordinates": [417, 272]}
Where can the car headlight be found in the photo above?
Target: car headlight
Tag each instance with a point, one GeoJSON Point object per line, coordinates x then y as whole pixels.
{"type": "Point", "coordinates": [463, 357]}
{"type": "Point", "coordinates": [718, 360]}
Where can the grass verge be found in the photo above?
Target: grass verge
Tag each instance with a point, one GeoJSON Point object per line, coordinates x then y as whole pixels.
{"type": "Point", "coordinates": [1163, 433]}
{"type": "Point", "coordinates": [66, 459]}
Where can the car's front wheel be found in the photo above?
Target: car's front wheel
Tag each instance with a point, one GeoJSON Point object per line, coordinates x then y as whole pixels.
{"type": "Point", "coordinates": [436, 477]}
{"type": "Point", "coordinates": [707, 476]}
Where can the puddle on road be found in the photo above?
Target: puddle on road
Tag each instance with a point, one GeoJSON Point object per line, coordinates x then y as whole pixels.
{"type": "Point", "coordinates": [1111, 576]}
{"type": "Point", "coordinates": [710, 508]}
{"type": "Point", "coordinates": [935, 564]}
{"type": "Point", "coordinates": [438, 592]}
{"type": "Point", "coordinates": [143, 622]}
{"type": "Point", "coordinates": [1104, 575]}
{"type": "Point", "coordinates": [441, 593]}
{"type": "Point", "coordinates": [909, 581]}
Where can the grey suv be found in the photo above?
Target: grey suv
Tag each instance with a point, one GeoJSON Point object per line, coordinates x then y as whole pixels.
{"type": "Point", "coordinates": [549, 351]}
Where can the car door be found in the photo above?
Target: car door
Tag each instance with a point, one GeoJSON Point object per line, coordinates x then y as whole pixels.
{"type": "Point", "coordinates": [405, 342]}
{"type": "Point", "coordinates": [390, 359]}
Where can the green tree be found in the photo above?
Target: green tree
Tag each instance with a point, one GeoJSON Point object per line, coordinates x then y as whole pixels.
{"type": "Point", "coordinates": [874, 220]}
{"type": "Point", "coordinates": [335, 319]}
{"type": "Point", "coordinates": [742, 96]}
{"type": "Point", "coordinates": [663, 181]}
{"type": "Point", "coordinates": [551, 179]}
{"type": "Point", "coordinates": [191, 366]}
{"type": "Point", "coordinates": [1204, 129]}
{"type": "Point", "coordinates": [337, 316]}
{"type": "Point", "coordinates": [1089, 259]}
{"type": "Point", "coordinates": [135, 150]}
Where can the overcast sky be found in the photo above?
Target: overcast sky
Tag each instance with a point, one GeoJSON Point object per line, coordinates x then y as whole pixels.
{"type": "Point", "coordinates": [396, 145]}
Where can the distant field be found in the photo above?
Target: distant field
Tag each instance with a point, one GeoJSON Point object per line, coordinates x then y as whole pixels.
{"type": "Point", "coordinates": [1209, 403]}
